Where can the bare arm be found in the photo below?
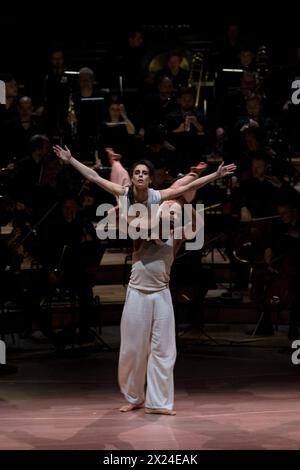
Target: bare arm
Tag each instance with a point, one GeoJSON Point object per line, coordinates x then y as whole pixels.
{"type": "Point", "coordinates": [88, 173]}
{"type": "Point", "coordinates": [172, 193]}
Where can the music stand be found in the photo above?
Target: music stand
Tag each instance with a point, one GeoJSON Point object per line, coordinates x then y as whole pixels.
{"type": "Point", "coordinates": [96, 331]}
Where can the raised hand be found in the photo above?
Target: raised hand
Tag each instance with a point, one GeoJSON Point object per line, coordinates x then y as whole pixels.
{"type": "Point", "coordinates": [63, 154]}
{"type": "Point", "coordinates": [225, 170]}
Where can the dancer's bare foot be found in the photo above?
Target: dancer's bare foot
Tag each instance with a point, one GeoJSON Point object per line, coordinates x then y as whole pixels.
{"type": "Point", "coordinates": [131, 407]}
{"type": "Point", "coordinates": [112, 156]}
{"type": "Point", "coordinates": [160, 411]}
{"type": "Point", "coordinates": [198, 169]}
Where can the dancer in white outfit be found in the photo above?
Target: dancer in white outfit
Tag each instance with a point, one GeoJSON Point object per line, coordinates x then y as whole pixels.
{"type": "Point", "coordinates": [149, 357]}
{"type": "Point", "coordinates": [148, 349]}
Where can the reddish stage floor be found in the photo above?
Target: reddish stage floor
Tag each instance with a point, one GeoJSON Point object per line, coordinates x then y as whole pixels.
{"type": "Point", "coordinates": [227, 397]}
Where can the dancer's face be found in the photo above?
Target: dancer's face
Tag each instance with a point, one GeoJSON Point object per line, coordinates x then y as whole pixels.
{"type": "Point", "coordinates": [141, 177]}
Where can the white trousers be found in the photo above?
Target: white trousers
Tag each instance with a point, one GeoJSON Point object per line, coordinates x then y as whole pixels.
{"type": "Point", "coordinates": [148, 349]}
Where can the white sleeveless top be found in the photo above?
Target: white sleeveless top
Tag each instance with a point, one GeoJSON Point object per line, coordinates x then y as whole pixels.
{"type": "Point", "coordinates": [154, 197]}
{"type": "Point", "coordinates": [151, 266]}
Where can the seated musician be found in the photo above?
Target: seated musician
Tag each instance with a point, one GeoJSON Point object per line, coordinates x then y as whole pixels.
{"type": "Point", "coordinates": [255, 200]}
{"type": "Point", "coordinates": [277, 280]}
{"type": "Point", "coordinates": [71, 254]}
{"type": "Point", "coordinates": [25, 287]}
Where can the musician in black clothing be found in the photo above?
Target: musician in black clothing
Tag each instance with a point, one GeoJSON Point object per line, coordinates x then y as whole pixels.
{"type": "Point", "coordinates": [186, 128]}
{"type": "Point", "coordinates": [285, 247]}
{"type": "Point", "coordinates": [276, 280]}
{"type": "Point", "coordinates": [70, 251]}
{"type": "Point", "coordinates": [29, 171]}
{"type": "Point", "coordinates": [174, 71]}
{"type": "Point", "coordinates": [24, 287]}
{"type": "Point", "coordinates": [56, 91]}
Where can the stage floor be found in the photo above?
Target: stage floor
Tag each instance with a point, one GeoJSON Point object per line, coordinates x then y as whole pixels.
{"type": "Point", "coordinates": [227, 397]}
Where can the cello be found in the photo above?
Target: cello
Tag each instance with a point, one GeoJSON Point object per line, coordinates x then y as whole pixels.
{"type": "Point", "coordinates": [280, 290]}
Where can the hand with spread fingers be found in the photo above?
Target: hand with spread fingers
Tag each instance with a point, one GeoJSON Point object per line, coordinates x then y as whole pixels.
{"type": "Point", "coordinates": [225, 170]}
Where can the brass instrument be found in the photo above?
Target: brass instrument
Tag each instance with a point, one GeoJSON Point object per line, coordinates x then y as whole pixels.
{"type": "Point", "coordinates": [72, 119]}
{"type": "Point", "coordinates": [196, 74]}
{"type": "Point", "coordinates": [262, 63]}
{"type": "Point", "coordinates": [262, 69]}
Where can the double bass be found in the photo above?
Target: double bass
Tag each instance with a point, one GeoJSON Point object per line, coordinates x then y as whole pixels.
{"type": "Point", "coordinates": [281, 289]}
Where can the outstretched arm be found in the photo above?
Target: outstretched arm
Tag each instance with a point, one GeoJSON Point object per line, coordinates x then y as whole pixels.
{"type": "Point", "coordinates": [223, 170]}
{"type": "Point", "coordinates": [88, 173]}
